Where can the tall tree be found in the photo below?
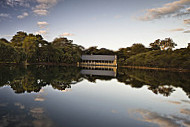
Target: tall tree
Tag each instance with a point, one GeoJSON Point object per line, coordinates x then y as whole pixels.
{"type": "Point", "coordinates": [167, 43]}
{"type": "Point", "coordinates": [29, 46]}
{"type": "Point", "coordinates": [17, 40]}
{"type": "Point", "coordinates": [155, 45]}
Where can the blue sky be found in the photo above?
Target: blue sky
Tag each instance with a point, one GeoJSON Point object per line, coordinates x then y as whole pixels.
{"type": "Point", "coordinates": [104, 23]}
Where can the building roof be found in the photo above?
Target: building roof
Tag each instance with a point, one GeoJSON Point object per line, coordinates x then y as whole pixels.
{"type": "Point", "coordinates": [99, 57]}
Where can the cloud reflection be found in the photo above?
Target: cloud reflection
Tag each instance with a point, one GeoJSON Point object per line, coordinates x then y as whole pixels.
{"type": "Point", "coordinates": [39, 99]}
{"type": "Point", "coordinates": [21, 106]}
{"type": "Point", "coordinates": [155, 118]}
{"type": "Point", "coordinates": [185, 111]}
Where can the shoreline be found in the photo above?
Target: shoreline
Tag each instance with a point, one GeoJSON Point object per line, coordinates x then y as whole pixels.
{"type": "Point", "coordinates": [157, 68]}
{"type": "Point", "coordinates": [50, 64]}
{"type": "Point", "coordinates": [131, 67]}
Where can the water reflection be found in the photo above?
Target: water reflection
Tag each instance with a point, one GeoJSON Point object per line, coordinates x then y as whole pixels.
{"type": "Point", "coordinates": [99, 71]}
{"type": "Point", "coordinates": [159, 82]}
{"type": "Point", "coordinates": [35, 96]}
{"type": "Point", "coordinates": [34, 78]}
{"type": "Point", "coordinates": [163, 120]}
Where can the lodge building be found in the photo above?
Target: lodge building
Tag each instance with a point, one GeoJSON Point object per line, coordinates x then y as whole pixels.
{"type": "Point", "coordinates": [99, 60]}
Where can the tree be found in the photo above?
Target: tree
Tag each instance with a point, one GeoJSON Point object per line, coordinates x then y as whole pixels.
{"type": "Point", "coordinates": [91, 50]}
{"type": "Point", "coordinates": [29, 46]}
{"type": "Point", "coordinates": [40, 41]}
{"type": "Point", "coordinates": [138, 48]}
{"type": "Point", "coordinates": [71, 53]}
{"type": "Point", "coordinates": [167, 43]}
{"type": "Point", "coordinates": [8, 53]}
{"type": "Point", "coordinates": [60, 42]}
{"type": "Point", "coordinates": [4, 40]}
{"type": "Point", "coordinates": [17, 40]}
{"type": "Point", "coordinates": [188, 46]}
{"type": "Point", "coordinates": [155, 45]}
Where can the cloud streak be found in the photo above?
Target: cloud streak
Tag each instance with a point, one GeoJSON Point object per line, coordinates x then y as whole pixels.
{"type": "Point", "coordinates": [42, 7]}
{"type": "Point", "coordinates": [25, 14]}
{"type": "Point", "coordinates": [41, 32]}
{"type": "Point", "coordinates": [38, 7]}
{"type": "Point", "coordinates": [168, 10]}
{"type": "Point", "coordinates": [67, 34]}
{"type": "Point", "coordinates": [162, 120]}
{"type": "Point", "coordinates": [187, 31]}
{"type": "Point", "coordinates": [23, 3]}
{"type": "Point", "coordinates": [42, 24]}
{"type": "Point", "coordinates": [187, 21]}
{"type": "Point", "coordinates": [5, 15]}
{"type": "Point", "coordinates": [177, 29]}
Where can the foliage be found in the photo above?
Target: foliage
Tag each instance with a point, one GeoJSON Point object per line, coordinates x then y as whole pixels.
{"type": "Point", "coordinates": [33, 78]}
{"type": "Point", "coordinates": [33, 49]}
{"type": "Point", "coordinates": [159, 82]}
{"type": "Point", "coordinates": [166, 59]}
{"type": "Point", "coordinates": [8, 54]}
{"type": "Point", "coordinates": [30, 48]}
{"type": "Point", "coordinates": [17, 40]}
{"type": "Point", "coordinates": [95, 51]}
{"type": "Point", "coordinates": [168, 43]}
{"type": "Point", "coordinates": [125, 53]}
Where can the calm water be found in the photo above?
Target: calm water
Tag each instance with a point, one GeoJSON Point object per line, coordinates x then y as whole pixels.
{"type": "Point", "coordinates": [72, 97]}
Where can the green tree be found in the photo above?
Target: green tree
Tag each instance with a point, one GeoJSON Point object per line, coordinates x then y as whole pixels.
{"type": "Point", "coordinates": [29, 46]}
{"type": "Point", "coordinates": [18, 39]}
{"type": "Point", "coordinates": [155, 45]}
{"type": "Point", "coordinates": [138, 48]}
{"type": "Point", "coordinates": [4, 41]}
{"type": "Point", "coordinates": [167, 43]}
{"type": "Point", "coordinates": [8, 53]}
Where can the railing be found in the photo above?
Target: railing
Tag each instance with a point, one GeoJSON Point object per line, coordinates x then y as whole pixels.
{"type": "Point", "coordinates": [97, 64]}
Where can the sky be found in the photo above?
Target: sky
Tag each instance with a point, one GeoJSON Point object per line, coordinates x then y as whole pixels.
{"type": "Point", "coordinates": [111, 24]}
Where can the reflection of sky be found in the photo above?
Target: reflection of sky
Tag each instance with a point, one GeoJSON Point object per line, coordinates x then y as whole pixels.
{"type": "Point", "coordinates": [105, 23]}
{"type": "Point", "coordinates": [104, 103]}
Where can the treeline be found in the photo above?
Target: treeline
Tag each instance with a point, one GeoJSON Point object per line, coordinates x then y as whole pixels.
{"type": "Point", "coordinates": [159, 54]}
{"type": "Point", "coordinates": [30, 48]}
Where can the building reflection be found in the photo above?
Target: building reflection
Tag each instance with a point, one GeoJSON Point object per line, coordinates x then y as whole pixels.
{"type": "Point", "coordinates": [99, 71]}
{"type": "Point", "coordinates": [62, 78]}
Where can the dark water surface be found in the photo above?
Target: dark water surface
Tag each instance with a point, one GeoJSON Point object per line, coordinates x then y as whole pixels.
{"type": "Point", "coordinates": [49, 96]}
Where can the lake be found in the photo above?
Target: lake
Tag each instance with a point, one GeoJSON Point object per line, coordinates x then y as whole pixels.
{"type": "Point", "coordinates": [53, 96]}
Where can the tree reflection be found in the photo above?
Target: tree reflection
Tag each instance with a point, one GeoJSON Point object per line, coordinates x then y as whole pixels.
{"type": "Point", "coordinates": [159, 82]}
{"type": "Point", "coordinates": [33, 78]}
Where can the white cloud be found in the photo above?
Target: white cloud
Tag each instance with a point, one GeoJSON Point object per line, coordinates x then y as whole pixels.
{"type": "Point", "coordinates": [47, 1]}
{"type": "Point", "coordinates": [187, 31]}
{"type": "Point", "coordinates": [67, 34]}
{"type": "Point", "coordinates": [42, 24]}
{"type": "Point", "coordinates": [187, 21]}
{"type": "Point", "coordinates": [39, 99]}
{"type": "Point", "coordinates": [42, 32]}
{"type": "Point", "coordinates": [13, 3]}
{"type": "Point", "coordinates": [41, 12]}
{"type": "Point", "coordinates": [177, 29]}
{"type": "Point", "coordinates": [42, 7]}
{"type": "Point", "coordinates": [25, 14]}
{"type": "Point", "coordinates": [5, 15]}
{"type": "Point", "coordinates": [168, 10]}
